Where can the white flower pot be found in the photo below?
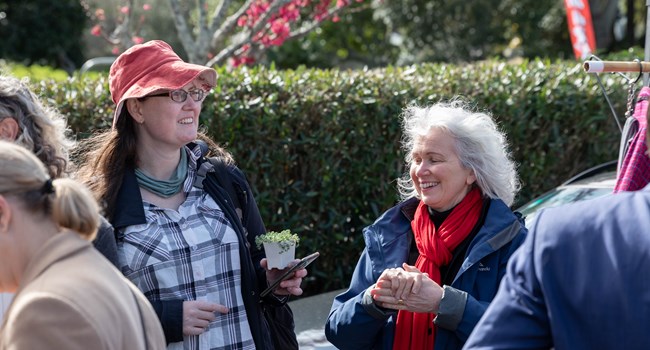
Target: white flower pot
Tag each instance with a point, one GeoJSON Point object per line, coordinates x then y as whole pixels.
{"type": "Point", "coordinates": [276, 258]}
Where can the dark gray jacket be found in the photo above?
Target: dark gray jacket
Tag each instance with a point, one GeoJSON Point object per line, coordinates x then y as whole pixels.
{"type": "Point", "coordinates": [105, 243]}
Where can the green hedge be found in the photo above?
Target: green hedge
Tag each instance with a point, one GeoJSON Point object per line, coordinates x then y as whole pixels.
{"type": "Point", "coordinates": [322, 148]}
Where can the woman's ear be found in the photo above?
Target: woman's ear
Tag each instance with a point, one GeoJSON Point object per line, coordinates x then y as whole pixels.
{"type": "Point", "coordinates": [5, 214]}
{"type": "Point", "coordinates": [135, 109]}
{"type": "Point", "coordinates": [471, 178]}
{"type": "Point", "coordinates": [9, 129]}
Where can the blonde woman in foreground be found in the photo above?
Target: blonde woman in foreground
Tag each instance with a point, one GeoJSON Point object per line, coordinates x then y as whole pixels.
{"type": "Point", "coordinates": [66, 296]}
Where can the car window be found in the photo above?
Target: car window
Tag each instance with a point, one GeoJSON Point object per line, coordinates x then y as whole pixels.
{"type": "Point", "coordinates": [559, 197]}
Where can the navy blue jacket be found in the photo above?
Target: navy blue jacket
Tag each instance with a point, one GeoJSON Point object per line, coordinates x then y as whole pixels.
{"type": "Point", "coordinates": [356, 322]}
{"type": "Point", "coordinates": [581, 280]}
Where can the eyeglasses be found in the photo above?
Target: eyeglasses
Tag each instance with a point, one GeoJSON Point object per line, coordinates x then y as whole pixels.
{"type": "Point", "coordinates": [181, 95]}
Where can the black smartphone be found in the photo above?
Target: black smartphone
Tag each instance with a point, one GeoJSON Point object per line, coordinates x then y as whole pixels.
{"type": "Point", "coordinates": [302, 264]}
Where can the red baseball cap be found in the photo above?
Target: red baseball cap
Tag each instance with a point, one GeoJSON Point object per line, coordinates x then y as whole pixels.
{"type": "Point", "coordinates": [149, 67]}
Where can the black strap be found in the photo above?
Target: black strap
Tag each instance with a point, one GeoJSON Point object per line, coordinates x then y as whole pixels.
{"type": "Point", "coordinates": [224, 180]}
{"type": "Point", "coordinates": [217, 167]}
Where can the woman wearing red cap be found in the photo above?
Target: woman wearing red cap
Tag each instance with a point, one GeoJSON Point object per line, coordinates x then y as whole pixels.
{"type": "Point", "coordinates": [174, 241]}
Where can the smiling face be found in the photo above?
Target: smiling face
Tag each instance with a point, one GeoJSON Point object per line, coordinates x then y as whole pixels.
{"type": "Point", "coordinates": [437, 173]}
{"type": "Point", "coordinates": [164, 122]}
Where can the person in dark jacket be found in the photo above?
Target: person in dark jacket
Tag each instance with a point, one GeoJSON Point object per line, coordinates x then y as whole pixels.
{"type": "Point", "coordinates": [28, 121]}
{"type": "Point", "coordinates": [175, 242]}
{"type": "Point", "coordinates": [579, 281]}
{"type": "Point", "coordinates": [432, 263]}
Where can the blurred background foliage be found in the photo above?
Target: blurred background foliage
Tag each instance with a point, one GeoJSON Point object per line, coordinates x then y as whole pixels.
{"type": "Point", "coordinates": [43, 32]}
{"type": "Point", "coordinates": [382, 33]}
{"type": "Point", "coordinates": [316, 125]}
{"type": "Point", "coordinates": [321, 148]}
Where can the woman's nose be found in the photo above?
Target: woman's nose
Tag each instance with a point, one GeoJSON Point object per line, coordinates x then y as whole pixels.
{"type": "Point", "coordinates": [190, 103]}
{"type": "Point", "coordinates": [421, 170]}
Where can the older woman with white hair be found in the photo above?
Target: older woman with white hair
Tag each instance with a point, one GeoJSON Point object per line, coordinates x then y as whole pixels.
{"type": "Point", "coordinates": [433, 263]}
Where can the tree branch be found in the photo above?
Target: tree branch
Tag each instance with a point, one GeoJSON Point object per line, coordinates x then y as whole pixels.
{"type": "Point", "coordinates": [259, 26]}
{"type": "Point", "coordinates": [220, 13]}
{"type": "Point", "coordinates": [305, 28]}
{"type": "Point", "coordinates": [261, 23]}
{"type": "Point", "coordinates": [219, 36]}
{"type": "Point", "coordinates": [120, 36]}
{"type": "Point", "coordinates": [184, 33]}
{"type": "Point", "coordinates": [199, 41]}
{"type": "Point", "coordinates": [259, 48]}
{"type": "Point", "coordinates": [203, 37]}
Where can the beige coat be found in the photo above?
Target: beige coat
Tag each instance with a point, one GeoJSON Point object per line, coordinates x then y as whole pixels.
{"type": "Point", "coordinates": [73, 298]}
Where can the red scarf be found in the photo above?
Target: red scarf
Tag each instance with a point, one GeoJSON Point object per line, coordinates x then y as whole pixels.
{"type": "Point", "coordinates": [413, 330]}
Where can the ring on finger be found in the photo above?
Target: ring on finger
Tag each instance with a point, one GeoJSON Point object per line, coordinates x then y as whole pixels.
{"type": "Point", "coordinates": [400, 302]}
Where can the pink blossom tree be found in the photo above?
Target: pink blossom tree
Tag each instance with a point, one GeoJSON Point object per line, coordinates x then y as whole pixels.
{"type": "Point", "coordinates": [231, 32]}
{"type": "Point", "coordinates": [125, 32]}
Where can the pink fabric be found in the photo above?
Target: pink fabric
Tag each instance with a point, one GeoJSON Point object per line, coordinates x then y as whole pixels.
{"type": "Point", "coordinates": [150, 67]}
{"type": "Point", "coordinates": [635, 170]}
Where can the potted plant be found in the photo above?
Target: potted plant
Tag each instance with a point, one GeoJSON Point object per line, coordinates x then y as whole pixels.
{"type": "Point", "coordinates": [280, 247]}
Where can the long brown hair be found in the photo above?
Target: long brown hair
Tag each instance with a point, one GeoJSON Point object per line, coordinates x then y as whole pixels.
{"type": "Point", "coordinates": [105, 157]}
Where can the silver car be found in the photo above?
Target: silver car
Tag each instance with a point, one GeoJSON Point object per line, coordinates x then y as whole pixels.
{"type": "Point", "coordinates": [594, 182]}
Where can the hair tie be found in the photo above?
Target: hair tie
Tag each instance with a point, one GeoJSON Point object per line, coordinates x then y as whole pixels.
{"type": "Point", "coordinates": [47, 187]}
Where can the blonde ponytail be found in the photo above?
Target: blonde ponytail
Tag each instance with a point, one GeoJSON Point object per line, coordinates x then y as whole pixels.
{"type": "Point", "coordinates": [67, 202]}
{"type": "Point", "coordinates": [74, 208]}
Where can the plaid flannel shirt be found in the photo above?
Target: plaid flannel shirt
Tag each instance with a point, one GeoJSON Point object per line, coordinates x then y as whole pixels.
{"type": "Point", "coordinates": [190, 254]}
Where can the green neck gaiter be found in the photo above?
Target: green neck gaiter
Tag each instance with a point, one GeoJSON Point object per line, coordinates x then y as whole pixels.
{"type": "Point", "coordinates": [165, 188]}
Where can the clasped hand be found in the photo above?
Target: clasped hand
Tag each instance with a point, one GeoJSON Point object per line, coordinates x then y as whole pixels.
{"type": "Point", "coordinates": [407, 288]}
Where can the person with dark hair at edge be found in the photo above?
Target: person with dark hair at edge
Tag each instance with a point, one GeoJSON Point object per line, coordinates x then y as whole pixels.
{"type": "Point", "coordinates": [432, 264]}
{"type": "Point", "coordinates": [175, 241]}
{"type": "Point", "coordinates": [30, 122]}
{"type": "Point", "coordinates": [27, 121]}
{"type": "Point", "coordinates": [67, 296]}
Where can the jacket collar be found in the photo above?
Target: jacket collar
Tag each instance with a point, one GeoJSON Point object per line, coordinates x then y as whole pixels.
{"type": "Point", "coordinates": [128, 206]}
{"type": "Point", "coordinates": [498, 221]}
{"type": "Point", "coordinates": [408, 207]}
{"type": "Point", "coordinates": [387, 233]}
{"type": "Point", "coordinates": [129, 209]}
{"type": "Point", "coordinates": [501, 226]}
{"type": "Point", "coordinates": [59, 247]}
